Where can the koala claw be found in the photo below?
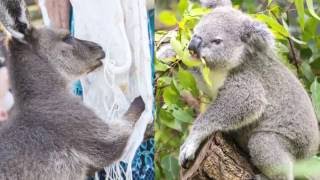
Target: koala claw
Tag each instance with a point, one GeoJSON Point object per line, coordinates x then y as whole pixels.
{"type": "Point", "coordinates": [187, 154]}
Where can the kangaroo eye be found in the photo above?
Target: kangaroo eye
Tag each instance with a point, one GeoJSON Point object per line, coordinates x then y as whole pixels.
{"type": "Point", "coordinates": [216, 41]}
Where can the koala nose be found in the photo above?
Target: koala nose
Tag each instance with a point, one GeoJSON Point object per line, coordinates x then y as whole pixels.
{"type": "Point", "coordinates": [195, 44]}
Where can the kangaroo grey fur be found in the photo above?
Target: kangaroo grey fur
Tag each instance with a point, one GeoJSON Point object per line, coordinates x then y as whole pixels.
{"type": "Point", "coordinates": [261, 104]}
{"type": "Point", "coordinates": [50, 133]}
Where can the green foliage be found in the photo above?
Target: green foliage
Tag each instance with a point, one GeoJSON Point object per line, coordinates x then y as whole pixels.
{"type": "Point", "coordinates": [174, 116]}
{"type": "Point", "coordinates": [296, 27]}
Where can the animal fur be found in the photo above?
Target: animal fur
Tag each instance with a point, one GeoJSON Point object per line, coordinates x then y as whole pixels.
{"type": "Point", "coordinates": [260, 102]}
{"type": "Point", "coordinates": [50, 134]}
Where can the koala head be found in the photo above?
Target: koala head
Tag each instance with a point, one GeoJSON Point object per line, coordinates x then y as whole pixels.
{"type": "Point", "coordinates": [224, 37]}
{"type": "Point", "coordinates": [72, 57]}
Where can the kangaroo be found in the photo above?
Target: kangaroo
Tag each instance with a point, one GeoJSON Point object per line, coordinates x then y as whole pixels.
{"type": "Point", "coordinates": [50, 134]}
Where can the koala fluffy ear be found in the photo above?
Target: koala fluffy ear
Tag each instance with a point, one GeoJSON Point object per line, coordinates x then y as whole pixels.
{"type": "Point", "coordinates": [256, 34]}
{"type": "Point", "coordinates": [216, 3]}
{"type": "Point", "coordinates": [13, 17]}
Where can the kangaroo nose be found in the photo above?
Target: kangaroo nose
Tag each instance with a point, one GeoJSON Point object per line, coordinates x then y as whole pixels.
{"type": "Point", "coordinates": [195, 44]}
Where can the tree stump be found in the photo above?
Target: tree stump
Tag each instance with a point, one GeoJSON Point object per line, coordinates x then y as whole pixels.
{"type": "Point", "coordinates": [219, 159]}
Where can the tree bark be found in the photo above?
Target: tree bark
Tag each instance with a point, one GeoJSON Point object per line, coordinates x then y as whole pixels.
{"type": "Point", "coordinates": [219, 159]}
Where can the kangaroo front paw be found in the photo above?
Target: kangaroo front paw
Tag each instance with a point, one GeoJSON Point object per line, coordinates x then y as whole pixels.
{"type": "Point", "coordinates": [135, 110]}
{"type": "Point", "coordinates": [187, 153]}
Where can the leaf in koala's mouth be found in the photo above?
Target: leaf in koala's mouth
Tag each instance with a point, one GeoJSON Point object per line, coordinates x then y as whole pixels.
{"type": "Point", "coordinates": [203, 61]}
{"type": "Point", "coordinates": [194, 55]}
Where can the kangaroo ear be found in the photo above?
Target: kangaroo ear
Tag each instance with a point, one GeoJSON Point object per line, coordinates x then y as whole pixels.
{"type": "Point", "coordinates": [13, 16]}
{"type": "Point", "coordinates": [216, 3]}
{"type": "Point", "coordinates": [256, 34]}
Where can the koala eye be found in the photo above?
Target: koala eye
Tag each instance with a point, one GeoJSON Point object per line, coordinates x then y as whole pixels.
{"type": "Point", "coordinates": [67, 39]}
{"type": "Point", "coordinates": [216, 41]}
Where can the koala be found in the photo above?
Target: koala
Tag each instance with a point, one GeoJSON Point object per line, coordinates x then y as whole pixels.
{"type": "Point", "coordinates": [257, 101]}
{"type": "Point", "coordinates": [50, 134]}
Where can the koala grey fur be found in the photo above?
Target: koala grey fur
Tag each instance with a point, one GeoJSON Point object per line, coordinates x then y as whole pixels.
{"type": "Point", "coordinates": [215, 3]}
{"type": "Point", "coordinates": [50, 134]}
{"type": "Point", "coordinates": [260, 103]}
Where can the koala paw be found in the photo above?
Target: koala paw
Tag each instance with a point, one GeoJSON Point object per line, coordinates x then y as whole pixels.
{"type": "Point", "coordinates": [187, 153]}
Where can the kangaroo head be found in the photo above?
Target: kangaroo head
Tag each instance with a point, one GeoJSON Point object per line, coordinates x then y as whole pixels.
{"type": "Point", "coordinates": [70, 56]}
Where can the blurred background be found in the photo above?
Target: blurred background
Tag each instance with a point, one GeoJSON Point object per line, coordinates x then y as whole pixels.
{"type": "Point", "coordinates": [34, 12]}
{"type": "Point", "coordinates": [296, 27]}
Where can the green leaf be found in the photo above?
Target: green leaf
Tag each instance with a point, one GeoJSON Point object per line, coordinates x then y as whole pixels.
{"type": "Point", "coordinates": [170, 167]}
{"type": "Point", "coordinates": [187, 81]}
{"type": "Point", "coordinates": [285, 25]}
{"type": "Point", "coordinates": [164, 81]}
{"type": "Point", "coordinates": [160, 67]}
{"type": "Point", "coordinates": [300, 8]}
{"type": "Point", "coordinates": [310, 29]}
{"type": "Point", "coordinates": [311, 9]}
{"type": "Point", "coordinates": [182, 6]}
{"type": "Point", "coordinates": [168, 18]}
{"type": "Point", "coordinates": [177, 46]}
{"type": "Point", "coordinates": [273, 23]}
{"type": "Point", "coordinates": [157, 171]}
{"type": "Point", "coordinates": [315, 96]}
{"type": "Point", "coordinates": [309, 167]}
{"type": "Point", "coordinates": [282, 48]}
{"type": "Point", "coordinates": [189, 61]}
{"type": "Point", "coordinates": [183, 115]}
{"type": "Point", "coordinates": [307, 71]}
{"type": "Point", "coordinates": [199, 11]}
{"type": "Point", "coordinates": [171, 96]}
{"type": "Point", "coordinates": [206, 76]}
{"type": "Point", "coordinates": [163, 134]}
{"type": "Point", "coordinates": [168, 120]}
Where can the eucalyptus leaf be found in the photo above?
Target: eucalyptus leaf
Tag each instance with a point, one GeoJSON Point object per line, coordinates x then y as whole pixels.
{"type": "Point", "coordinates": [308, 167]}
{"type": "Point", "coordinates": [170, 167]}
{"type": "Point", "coordinates": [183, 115]}
{"type": "Point", "coordinates": [300, 9]}
{"type": "Point", "coordinates": [167, 119]}
{"type": "Point", "coordinates": [187, 81]}
{"type": "Point", "coordinates": [206, 75]}
{"type": "Point", "coordinates": [307, 71]}
{"type": "Point", "coordinates": [168, 18]}
{"type": "Point", "coordinates": [160, 67]}
{"type": "Point", "coordinates": [311, 9]}
{"type": "Point", "coordinates": [177, 46]}
{"type": "Point", "coordinates": [273, 23]}
{"type": "Point", "coordinates": [315, 95]}
{"type": "Point", "coordinates": [182, 6]}
{"type": "Point", "coordinates": [171, 96]}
